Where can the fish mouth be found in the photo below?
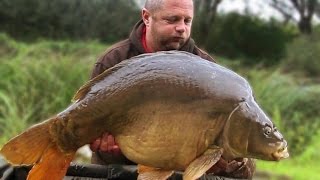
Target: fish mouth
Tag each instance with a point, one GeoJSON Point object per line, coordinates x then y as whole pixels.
{"type": "Point", "coordinates": [282, 153]}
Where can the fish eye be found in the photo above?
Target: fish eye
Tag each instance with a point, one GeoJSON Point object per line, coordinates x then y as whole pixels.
{"type": "Point", "coordinates": [267, 130]}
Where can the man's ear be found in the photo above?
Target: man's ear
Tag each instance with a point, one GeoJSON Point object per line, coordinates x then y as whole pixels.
{"type": "Point", "coordinates": [146, 16]}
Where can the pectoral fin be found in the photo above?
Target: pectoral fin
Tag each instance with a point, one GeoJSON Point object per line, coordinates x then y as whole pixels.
{"type": "Point", "coordinates": [150, 173]}
{"type": "Point", "coordinates": [201, 164]}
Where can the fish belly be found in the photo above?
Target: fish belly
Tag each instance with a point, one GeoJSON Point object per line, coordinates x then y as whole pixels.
{"type": "Point", "coordinates": [167, 136]}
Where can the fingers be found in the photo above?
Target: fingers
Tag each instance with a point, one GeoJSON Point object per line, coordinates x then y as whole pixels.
{"type": "Point", "coordinates": [109, 145]}
{"type": "Point", "coordinates": [94, 146]}
{"type": "Point", "coordinates": [219, 167]}
{"type": "Point", "coordinates": [233, 166]}
{"type": "Point", "coordinates": [222, 164]}
{"type": "Point", "coordinates": [106, 143]}
{"type": "Point", "coordinates": [100, 144]}
{"type": "Point", "coordinates": [236, 164]}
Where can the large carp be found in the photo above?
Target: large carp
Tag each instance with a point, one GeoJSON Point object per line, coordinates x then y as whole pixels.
{"type": "Point", "coordinates": [168, 111]}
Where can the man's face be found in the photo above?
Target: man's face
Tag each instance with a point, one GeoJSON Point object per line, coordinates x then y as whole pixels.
{"type": "Point", "coordinates": [170, 27]}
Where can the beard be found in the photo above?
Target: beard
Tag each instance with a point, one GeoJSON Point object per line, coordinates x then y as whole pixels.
{"type": "Point", "coordinates": [171, 43]}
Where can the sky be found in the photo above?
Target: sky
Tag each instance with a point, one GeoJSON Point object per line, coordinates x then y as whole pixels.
{"type": "Point", "coordinates": [257, 7]}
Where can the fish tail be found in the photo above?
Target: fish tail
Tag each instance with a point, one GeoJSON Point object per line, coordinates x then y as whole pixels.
{"type": "Point", "coordinates": [53, 165]}
{"type": "Point", "coordinates": [36, 147]}
{"type": "Point", "coordinates": [28, 147]}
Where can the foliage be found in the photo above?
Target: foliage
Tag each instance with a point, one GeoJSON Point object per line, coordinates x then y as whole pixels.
{"type": "Point", "coordinates": [293, 107]}
{"type": "Point", "coordinates": [289, 169]}
{"type": "Point", "coordinates": [234, 35]}
{"type": "Point", "coordinates": [303, 56]}
{"type": "Point", "coordinates": [305, 166]}
{"type": "Point", "coordinates": [40, 80]}
{"type": "Point", "coordinates": [207, 9]}
{"type": "Point", "coordinates": [300, 12]}
{"type": "Point", "coordinates": [290, 101]}
{"type": "Point", "coordinates": [7, 46]}
{"type": "Point", "coordinates": [71, 19]}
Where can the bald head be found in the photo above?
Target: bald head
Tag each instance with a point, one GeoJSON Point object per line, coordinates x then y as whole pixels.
{"type": "Point", "coordinates": [168, 23]}
{"type": "Point", "coordinates": [154, 5]}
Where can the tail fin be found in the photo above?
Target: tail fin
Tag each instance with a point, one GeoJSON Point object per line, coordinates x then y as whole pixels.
{"type": "Point", "coordinates": [35, 146]}
{"type": "Point", "coordinates": [53, 165]}
{"type": "Point", "coordinates": [28, 147]}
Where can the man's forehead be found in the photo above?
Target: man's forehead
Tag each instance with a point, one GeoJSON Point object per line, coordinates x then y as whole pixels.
{"type": "Point", "coordinates": [185, 4]}
{"type": "Point", "coordinates": [176, 8]}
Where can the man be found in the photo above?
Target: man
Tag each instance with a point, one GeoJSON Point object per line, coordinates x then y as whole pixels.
{"type": "Point", "coordinates": [165, 25]}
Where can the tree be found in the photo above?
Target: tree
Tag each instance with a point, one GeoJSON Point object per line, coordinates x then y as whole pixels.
{"type": "Point", "coordinates": [71, 19]}
{"type": "Point", "coordinates": [205, 13]}
{"type": "Point", "coordinates": [304, 8]}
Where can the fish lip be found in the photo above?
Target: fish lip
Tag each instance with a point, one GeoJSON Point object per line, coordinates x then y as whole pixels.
{"type": "Point", "coordinates": [282, 153]}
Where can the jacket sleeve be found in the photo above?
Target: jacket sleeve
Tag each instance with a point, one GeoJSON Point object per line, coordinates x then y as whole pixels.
{"type": "Point", "coordinates": [112, 56]}
{"type": "Point", "coordinates": [101, 66]}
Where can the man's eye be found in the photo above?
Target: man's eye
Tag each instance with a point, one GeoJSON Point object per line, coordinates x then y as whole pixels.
{"type": "Point", "coordinates": [187, 21]}
{"type": "Point", "coordinates": [171, 20]}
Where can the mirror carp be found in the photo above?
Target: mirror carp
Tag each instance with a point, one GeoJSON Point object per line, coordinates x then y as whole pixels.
{"type": "Point", "coordinates": [167, 111]}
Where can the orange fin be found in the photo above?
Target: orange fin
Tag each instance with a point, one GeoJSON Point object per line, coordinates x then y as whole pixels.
{"type": "Point", "coordinates": [203, 163]}
{"type": "Point", "coordinates": [53, 165]}
{"type": "Point", "coordinates": [150, 173]}
{"type": "Point", "coordinates": [28, 147]}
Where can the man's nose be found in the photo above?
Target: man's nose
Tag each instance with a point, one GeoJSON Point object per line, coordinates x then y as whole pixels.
{"type": "Point", "coordinates": [181, 27]}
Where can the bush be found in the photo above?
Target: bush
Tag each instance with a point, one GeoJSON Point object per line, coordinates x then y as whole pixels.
{"type": "Point", "coordinates": [293, 108]}
{"type": "Point", "coordinates": [8, 46]}
{"type": "Point", "coordinates": [72, 19]}
{"type": "Point", "coordinates": [303, 56]}
{"type": "Point", "coordinates": [40, 80]}
{"type": "Point", "coordinates": [234, 35]}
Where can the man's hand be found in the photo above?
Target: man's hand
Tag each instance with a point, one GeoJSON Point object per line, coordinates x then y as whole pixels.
{"type": "Point", "coordinates": [238, 168]}
{"type": "Point", "coordinates": [106, 144]}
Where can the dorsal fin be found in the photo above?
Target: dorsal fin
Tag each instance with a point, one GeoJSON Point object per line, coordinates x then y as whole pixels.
{"type": "Point", "coordinates": [87, 86]}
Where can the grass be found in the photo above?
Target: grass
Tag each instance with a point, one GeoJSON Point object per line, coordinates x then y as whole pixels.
{"type": "Point", "coordinates": [289, 169]}
{"type": "Point", "coordinates": [39, 79]}
{"type": "Point", "coordinates": [304, 166]}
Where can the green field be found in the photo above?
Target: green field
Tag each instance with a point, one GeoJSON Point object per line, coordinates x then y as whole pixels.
{"type": "Point", "coordinates": [304, 166]}
{"type": "Point", "coordinates": [39, 79]}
